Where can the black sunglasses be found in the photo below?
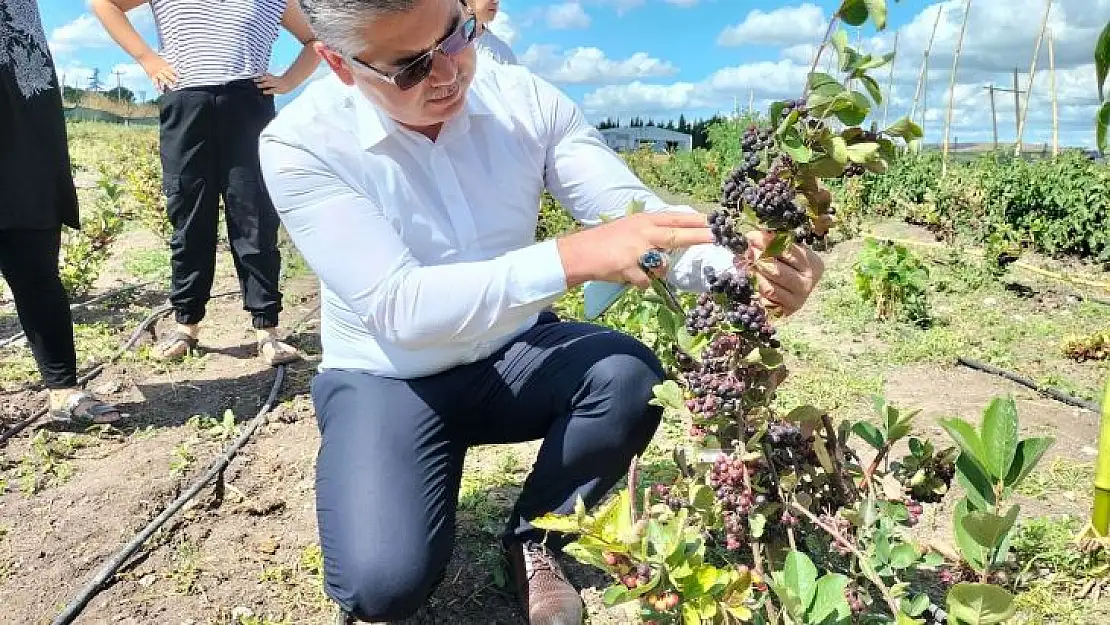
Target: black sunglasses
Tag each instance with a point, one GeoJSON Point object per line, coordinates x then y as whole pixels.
{"type": "Point", "coordinates": [416, 71]}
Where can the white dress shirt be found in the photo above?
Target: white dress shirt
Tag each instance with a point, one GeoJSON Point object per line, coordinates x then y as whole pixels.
{"type": "Point", "coordinates": [494, 47]}
{"type": "Point", "coordinates": [425, 250]}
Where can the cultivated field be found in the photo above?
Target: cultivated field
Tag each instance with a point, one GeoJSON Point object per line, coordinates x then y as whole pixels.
{"type": "Point", "coordinates": [246, 553]}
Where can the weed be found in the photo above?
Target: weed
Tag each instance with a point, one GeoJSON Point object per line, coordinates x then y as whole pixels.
{"type": "Point", "coordinates": [47, 463]}
{"type": "Point", "coordinates": [182, 458]}
{"type": "Point", "coordinates": [186, 567]}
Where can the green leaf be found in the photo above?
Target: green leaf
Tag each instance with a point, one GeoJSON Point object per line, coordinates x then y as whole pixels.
{"type": "Point", "coordinates": [904, 128]}
{"type": "Point", "coordinates": [869, 433]}
{"type": "Point", "coordinates": [974, 553]}
{"type": "Point", "coordinates": [616, 594]}
{"type": "Point", "coordinates": [756, 523]}
{"type": "Point", "coordinates": [862, 152]}
{"type": "Point", "coordinates": [778, 245]}
{"type": "Point", "coordinates": [855, 110]}
{"type": "Point", "coordinates": [973, 479]}
{"type": "Point", "coordinates": [853, 12]}
{"type": "Point", "coordinates": [988, 529]}
{"type": "Point", "coordinates": [805, 414]}
{"type": "Point", "coordinates": [837, 149]}
{"type": "Point", "coordinates": [823, 84]}
{"type": "Point", "coordinates": [1000, 434]}
{"type": "Point", "coordinates": [909, 620]}
{"type": "Point", "coordinates": [793, 145]}
{"type": "Point", "coordinates": [967, 438]}
{"type": "Point", "coordinates": [916, 606]}
{"type": "Point", "coordinates": [690, 614]}
{"type": "Point", "coordinates": [701, 497]}
{"type": "Point", "coordinates": [877, 9]}
{"type": "Point", "coordinates": [1102, 58]}
{"type": "Point", "coordinates": [829, 601]}
{"type": "Point", "coordinates": [801, 575]}
{"type": "Point", "coordinates": [980, 604]}
{"type": "Point", "coordinates": [552, 522]}
{"type": "Point", "coordinates": [825, 167]}
{"type": "Point", "coordinates": [903, 556]}
{"type": "Point", "coordinates": [873, 88]}
{"type": "Point", "coordinates": [839, 41]}
{"type": "Point", "coordinates": [669, 395]}
{"type": "Point", "coordinates": [1026, 457]}
{"type": "Point", "coordinates": [1102, 121]}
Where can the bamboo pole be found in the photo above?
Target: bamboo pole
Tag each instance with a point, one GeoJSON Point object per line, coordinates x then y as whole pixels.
{"type": "Point", "coordinates": [890, 80]}
{"type": "Point", "coordinates": [1052, 89]}
{"type": "Point", "coordinates": [952, 88]}
{"type": "Point", "coordinates": [1100, 512]}
{"type": "Point", "coordinates": [1032, 74]}
{"type": "Point", "coordinates": [922, 78]}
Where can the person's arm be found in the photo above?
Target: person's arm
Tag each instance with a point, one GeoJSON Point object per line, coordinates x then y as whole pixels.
{"type": "Point", "coordinates": [306, 62]}
{"type": "Point", "coordinates": [113, 15]}
{"type": "Point", "coordinates": [595, 184]}
{"type": "Point", "coordinates": [353, 248]}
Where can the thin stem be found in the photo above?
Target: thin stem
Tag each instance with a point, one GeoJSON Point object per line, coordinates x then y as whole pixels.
{"type": "Point", "coordinates": [864, 566]}
{"type": "Point", "coordinates": [820, 49]}
{"type": "Point", "coordinates": [633, 484]}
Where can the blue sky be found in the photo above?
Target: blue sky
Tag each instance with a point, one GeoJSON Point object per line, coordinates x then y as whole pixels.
{"type": "Point", "coordinates": [660, 58]}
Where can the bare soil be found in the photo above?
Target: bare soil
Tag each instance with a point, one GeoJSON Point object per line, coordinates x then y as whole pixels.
{"type": "Point", "coordinates": [247, 553]}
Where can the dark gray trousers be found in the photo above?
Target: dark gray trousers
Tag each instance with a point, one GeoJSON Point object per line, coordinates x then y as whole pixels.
{"type": "Point", "coordinates": [391, 454]}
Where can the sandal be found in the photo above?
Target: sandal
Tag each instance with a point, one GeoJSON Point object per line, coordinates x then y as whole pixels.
{"type": "Point", "coordinates": [175, 346]}
{"type": "Point", "coordinates": [281, 354]}
{"type": "Point", "coordinates": [83, 407]}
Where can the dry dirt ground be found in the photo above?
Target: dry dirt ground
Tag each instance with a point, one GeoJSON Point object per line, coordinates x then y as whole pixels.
{"type": "Point", "coordinates": [248, 555]}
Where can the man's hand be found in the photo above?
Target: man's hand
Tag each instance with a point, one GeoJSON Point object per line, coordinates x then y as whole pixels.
{"type": "Point", "coordinates": [273, 85]}
{"type": "Point", "coordinates": [160, 72]}
{"type": "Point", "coordinates": [612, 251]}
{"type": "Point", "coordinates": [786, 281]}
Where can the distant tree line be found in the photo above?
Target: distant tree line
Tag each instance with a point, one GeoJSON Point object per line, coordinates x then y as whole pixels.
{"type": "Point", "coordinates": [697, 129]}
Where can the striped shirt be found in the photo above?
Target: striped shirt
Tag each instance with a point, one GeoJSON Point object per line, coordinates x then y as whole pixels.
{"type": "Point", "coordinates": [214, 42]}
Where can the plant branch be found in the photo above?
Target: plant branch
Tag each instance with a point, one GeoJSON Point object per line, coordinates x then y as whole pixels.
{"type": "Point", "coordinates": [836, 452]}
{"type": "Point", "coordinates": [633, 484]}
{"type": "Point", "coordinates": [871, 575]}
{"type": "Point", "coordinates": [869, 473]}
{"type": "Point", "coordinates": [820, 49]}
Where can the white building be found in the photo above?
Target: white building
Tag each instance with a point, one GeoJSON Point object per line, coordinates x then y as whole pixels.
{"type": "Point", "coordinates": [658, 139]}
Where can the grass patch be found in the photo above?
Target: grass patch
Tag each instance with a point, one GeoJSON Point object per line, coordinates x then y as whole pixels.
{"type": "Point", "coordinates": [1053, 572]}
{"type": "Point", "coordinates": [148, 264]}
{"type": "Point", "coordinates": [1061, 478]}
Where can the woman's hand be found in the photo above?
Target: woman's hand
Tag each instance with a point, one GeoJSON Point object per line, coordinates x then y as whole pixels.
{"type": "Point", "coordinates": [786, 281]}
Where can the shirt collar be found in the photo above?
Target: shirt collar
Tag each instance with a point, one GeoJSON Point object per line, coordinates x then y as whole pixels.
{"type": "Point", "coordinates": [374, 125]}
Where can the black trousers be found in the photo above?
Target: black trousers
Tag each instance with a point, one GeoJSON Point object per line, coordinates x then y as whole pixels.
{"type": "Point", "coordinates": [29, 263]}
{"type": "Point", "coordinates": [209, 150]}
{"type": "Point", "coordinates": [391, 455]}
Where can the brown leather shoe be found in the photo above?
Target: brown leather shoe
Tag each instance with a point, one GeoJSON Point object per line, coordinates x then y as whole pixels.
{"type": "Point", "coordinates": [542, 586]}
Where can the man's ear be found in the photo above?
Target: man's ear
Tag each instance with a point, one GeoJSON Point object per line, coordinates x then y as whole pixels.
{"type": "Point", "coordinates": [336, 62]}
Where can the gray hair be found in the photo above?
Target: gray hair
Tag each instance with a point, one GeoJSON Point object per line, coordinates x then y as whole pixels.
{"type": "Point", "coordinates": [337, 22]}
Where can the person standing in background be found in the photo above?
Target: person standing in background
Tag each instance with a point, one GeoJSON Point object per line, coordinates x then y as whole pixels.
{"type": "Point", "coordinates": [217, 96]}
{"type": "Point", "coordinates": [38, 198]}
{"type": "Point", "coordinates": [487, 43]}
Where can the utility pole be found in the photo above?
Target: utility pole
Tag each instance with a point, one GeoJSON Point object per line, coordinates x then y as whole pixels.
{"type": "Point", "coordinates": [1017, 111]}
{"type": "Point", "coordinates": [994, 116]}
{"type": "Point", "coordinates": [1032, 73]}
{"type": "Point", "coordinates": [119, 91]}
{"type": "Point", "coordinates": [890, 80]}
{"type": "Point", "coordinates": [1017, 105]}
{"type": "Point", "coordinates": [1052, 88]}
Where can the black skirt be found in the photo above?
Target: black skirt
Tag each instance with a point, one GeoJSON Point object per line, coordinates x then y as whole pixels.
{"type": "Point", "coordinates": [36, 185]}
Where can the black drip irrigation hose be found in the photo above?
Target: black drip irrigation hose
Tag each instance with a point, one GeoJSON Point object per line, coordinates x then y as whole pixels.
{"type": "Point", "coordinates": [216, 469]}
{"type": "Point", "coordinates": [1056, 394]}
{"type": "Point", "coordinates": [112, 566]}
{"type": "Point", "coordinates": [144, 326]}
{"type": "Point", "coordinates": [18, 336]}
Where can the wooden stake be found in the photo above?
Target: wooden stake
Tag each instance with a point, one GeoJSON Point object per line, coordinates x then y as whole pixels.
{"type": "Point", "coordinates": [1052, 89]}
{"type": "Point", "coordinates": [952, 88]}
{"type": "Point", "coordinates": [922, 78]}
{"type": "Point", "coordinates": [994, 118]}
{"type": "Point", "coordinates": [890, 80]}
{"type": "Point", "coordinates": [1017, 105]}
{"type": "Point", "coordinates": [1032, 73]}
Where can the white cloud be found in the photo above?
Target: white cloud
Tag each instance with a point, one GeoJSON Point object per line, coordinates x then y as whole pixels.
{"type": "Point", "coordinates": [591, 66]}
{"type": "Point", "coordinates": [502, 26]}
{"type": "Point", "coordinates": [86, 32]}
{"type": "Point", "coordinates": [567, 15]}
{"type": "Point", "coordinates": [781, 27]}
{"type": "Point", "coordinates": [1001, 35]}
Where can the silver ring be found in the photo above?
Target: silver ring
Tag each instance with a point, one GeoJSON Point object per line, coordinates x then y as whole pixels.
{"type": "Point", "coordinates": [652, 259]}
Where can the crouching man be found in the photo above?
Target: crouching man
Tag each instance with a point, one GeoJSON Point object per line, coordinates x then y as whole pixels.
{"type": "Point", "coordinates": [410, 182]}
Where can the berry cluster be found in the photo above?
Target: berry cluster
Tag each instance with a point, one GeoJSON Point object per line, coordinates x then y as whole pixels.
{"type": "Point", "coordinates": [853, 169]}
{"type": "Point", "coordinates": [795, 105]}
{"type": "Point", "coordinates": [855, 599]}
{"type": "Point", "coordinates": [788, 448]}
{"type": "Point", "coordinates": [669, 497]}
{"type": "Point", "coordinates": [662, 602]}
{"type": "Point", "coordinates": [773, 202]}
{"type": "Point", "coordinates": [755, 139]}
{"type": "Point", "coordinates": [843, 527]}
{"type": "Point", "coordinates": [735, 497]}
{"type": "Point", "coordinates": [715, 394]}
{"type": "Point", "coordinates": [914, 509]}
{"type": "Point", "coordinates": [725, 233]}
